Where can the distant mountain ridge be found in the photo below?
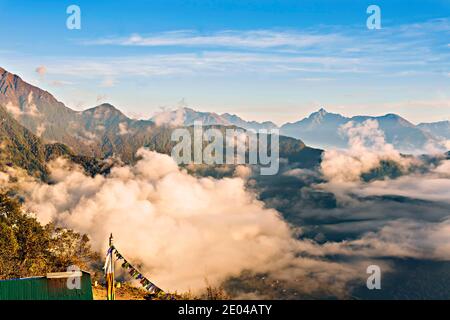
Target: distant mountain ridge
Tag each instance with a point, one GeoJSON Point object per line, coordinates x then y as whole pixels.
{"type": "Point", "coordinates": [320, 122]}
{"type": "Point", "coordinates": [187, 116]}
{"type": "Point", "coordinates": [321, 128]}
{"type": "Point", "coordinates": [104, 131]}
{"type": "Point", "coordinates": [20, 148]}
{"type": "Point", "coordinates": [438, 129]}
{"type": "Point", "coordinates": [99, 132]}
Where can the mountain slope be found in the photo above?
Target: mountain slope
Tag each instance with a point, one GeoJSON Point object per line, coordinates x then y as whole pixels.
{"type": "Point", "coordinates": [439, 129]}
{"type": "Point", "coordinates": [187, 117]}
{"type": "Point", "coordinates": [319, 129]}
{"type": "Point", "coordinates": [239, 122]}
{"type": "Point", "coordinates": [38, 111]}
{"type": "Point", "coordinates": [101, 131]}
{"type": "Point", "coordinates": [19, 147]}
{"type": "Point", "coordinates": [98, 132]}
{"type": "Point", "coordinates": [322, 129]}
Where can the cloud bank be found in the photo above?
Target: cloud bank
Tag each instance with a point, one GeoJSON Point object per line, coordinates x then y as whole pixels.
{"type": "Point", "coordinates": [181, 229]}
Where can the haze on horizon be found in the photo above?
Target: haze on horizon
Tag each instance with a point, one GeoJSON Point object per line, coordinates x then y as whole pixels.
{"type": "Point", "coordinates": [266, 61]}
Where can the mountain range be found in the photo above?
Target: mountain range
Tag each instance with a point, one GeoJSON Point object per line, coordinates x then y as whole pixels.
{"type": "Point", "coordinates": [20, 148]}
{"type": "Point", "coordinates": [439, 129]}
{"type": "Point", "coordinates": [102, 131]}
{"type": "Point", "coordinates": [36, 125]}
{"type": "Point", "coordinates": [321, 128]}
{"type": "Point", "coordinates": [187, 117]}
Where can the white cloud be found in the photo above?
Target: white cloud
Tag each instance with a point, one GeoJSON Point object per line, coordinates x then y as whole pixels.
{"type": "Point", "coordinates": [40, 129]}
{"type": "Point", "coordinates": [412, 45]}
{"type": "Point", "coordinates": [108, 83]}
{"type": "Point", "coordinates": [208, 63]}
{"type": "Point", "coordinates": [28, 108]}
{"type": "Point", "coordinates": [169, 117]}
{"type": "Point", "coordinates": [231, 38]}
{"type": "Point", "coordinates": [123, 128]}
{"type": "Point", "coordinates": [41, 70]}
{"type": "Point", "coordinates": [407, 236]}
{"type": "Point", "coordinates": [101, 97]}
{"type": "Point", "coordinates": [366, 149]}
{"type": "Point", "coordinates": [59, 83]}
{"type": "Point", "coordinates": [402, 238]}
{"type": "Point", "coordinates": [183, 229]}
{"type": "Point", "coordinates": [432, 186]}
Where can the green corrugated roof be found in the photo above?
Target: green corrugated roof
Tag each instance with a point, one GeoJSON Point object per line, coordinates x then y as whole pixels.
{"type": "Point", "coordinates": [42, 288]}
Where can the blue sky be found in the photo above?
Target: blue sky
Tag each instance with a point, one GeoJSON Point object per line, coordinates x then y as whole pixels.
{"type": "Point", "coordinates": [264, 60]}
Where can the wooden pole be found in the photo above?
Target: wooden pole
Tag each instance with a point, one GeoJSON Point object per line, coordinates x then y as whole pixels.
{"type": "Point", "coordinates": [111, 279]}
{"type": "Point", "coordinates": [111, 244]}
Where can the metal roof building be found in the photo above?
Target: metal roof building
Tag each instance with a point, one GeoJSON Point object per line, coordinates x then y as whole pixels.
{"type": "Point", "coordinates": [54, 286]}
